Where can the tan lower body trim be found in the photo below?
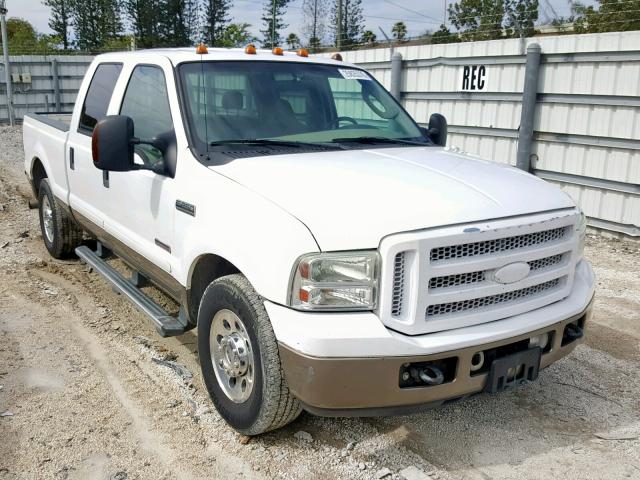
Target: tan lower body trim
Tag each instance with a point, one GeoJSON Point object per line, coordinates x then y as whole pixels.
{"type": "Point", "coordinates": [347, 384]}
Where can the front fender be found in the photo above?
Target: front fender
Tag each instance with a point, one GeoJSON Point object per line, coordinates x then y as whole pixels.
{"type": "Point", "coordinates": [257, 236]}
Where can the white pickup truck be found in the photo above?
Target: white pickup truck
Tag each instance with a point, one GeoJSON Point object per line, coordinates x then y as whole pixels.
{"type": "Point", "coordinates": [333, 255]}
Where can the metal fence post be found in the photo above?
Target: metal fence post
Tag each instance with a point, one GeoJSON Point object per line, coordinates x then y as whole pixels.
{"type": "Point", "coordinates": [396, 75]}
{"type": "Point", "coordinates": [527, 115]}
{"type": "Point", "coordinates": [56, 84]}
{"type": "Point", "coordinates": [7, 63]}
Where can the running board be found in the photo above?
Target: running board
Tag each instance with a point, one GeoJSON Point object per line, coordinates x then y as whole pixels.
{"type": "Point", "coordinates": [166, 325]}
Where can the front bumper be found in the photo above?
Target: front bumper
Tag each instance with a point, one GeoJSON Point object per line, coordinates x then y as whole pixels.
{"type": "Point", "coordinates": [347, 364]}
{"type": "Point", "coordinates": [371, 386]}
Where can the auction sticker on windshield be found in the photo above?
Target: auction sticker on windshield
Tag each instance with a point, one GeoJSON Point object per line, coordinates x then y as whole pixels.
{"type": "Point", "coordinates": [351, 74]}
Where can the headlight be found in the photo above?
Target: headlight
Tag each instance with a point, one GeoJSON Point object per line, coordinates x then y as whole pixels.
{"type": "Point", "coordinates": [335, 281]}
{"type": "Point", "coordinates": [581, 231]}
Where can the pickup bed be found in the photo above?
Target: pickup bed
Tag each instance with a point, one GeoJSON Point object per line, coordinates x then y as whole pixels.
{"type": "Point", "coordinates": [333, 255]}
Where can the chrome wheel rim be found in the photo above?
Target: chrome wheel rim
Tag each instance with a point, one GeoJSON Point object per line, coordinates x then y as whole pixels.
{"type": "Point", "coordinates": [47, 218]}
{"type": "Point", "coordinates": [232, 355]}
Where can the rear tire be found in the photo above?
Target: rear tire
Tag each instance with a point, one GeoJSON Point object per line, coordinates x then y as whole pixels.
{"type": "Point", "coordinates": [61, 235]}
{"type": "Point", "coordinates": [266, 404]}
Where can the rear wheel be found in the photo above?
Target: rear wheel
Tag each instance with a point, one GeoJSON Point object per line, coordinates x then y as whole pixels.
{"type": "Point", "coordinates": [61, 235]}
{"type": "Point", "coordinates": [240, 360]}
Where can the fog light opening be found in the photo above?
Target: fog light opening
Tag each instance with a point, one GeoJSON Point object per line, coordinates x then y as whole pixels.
{"type": "Point", "coordinates": [541, 341]}
{"type": "Point", "coordinates": [477, 361]}
{"type": "Point", "coordinates": [429, 375]}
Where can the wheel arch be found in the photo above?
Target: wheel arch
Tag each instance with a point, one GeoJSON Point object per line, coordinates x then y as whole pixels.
{"type": "Point", "coordinates": [203, 270]}
{"type": "Point", "coordinates": [37, 174]}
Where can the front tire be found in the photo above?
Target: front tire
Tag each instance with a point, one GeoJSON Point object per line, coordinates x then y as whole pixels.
{"type": "Point", "coordinates": [60, 233]}
{"type": "Point", "coordinates": [240, 360]}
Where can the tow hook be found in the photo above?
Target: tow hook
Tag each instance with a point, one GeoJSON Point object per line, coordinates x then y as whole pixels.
{"type": "Point", "coordinates": [572, 332]}
{"type": "Point", "coordinates": [430, 375]}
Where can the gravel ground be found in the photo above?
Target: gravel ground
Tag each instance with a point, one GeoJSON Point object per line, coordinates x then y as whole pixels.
{"type": "Point", "coordinates": [88, 390]}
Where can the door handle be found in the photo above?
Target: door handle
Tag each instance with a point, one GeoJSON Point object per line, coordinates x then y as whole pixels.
{"type": "Point", "coordinates": [72, 160]}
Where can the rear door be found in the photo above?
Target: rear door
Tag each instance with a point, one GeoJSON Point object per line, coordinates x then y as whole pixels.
{"type": "Point", "coordinates": [86, 183]}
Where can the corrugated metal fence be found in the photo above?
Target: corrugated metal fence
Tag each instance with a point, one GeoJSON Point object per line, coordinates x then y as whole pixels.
{"type": "Point", "coordinates": [587, 124]}
{"type": "Point", "coordinates": [42, 83]}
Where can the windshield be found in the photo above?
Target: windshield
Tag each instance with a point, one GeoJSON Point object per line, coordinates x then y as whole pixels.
{"type": "Point", "coordinates": [287, 104]}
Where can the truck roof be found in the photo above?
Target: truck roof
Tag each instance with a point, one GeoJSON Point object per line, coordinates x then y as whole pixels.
{"type": "Point", "coordinates": [181, 55]}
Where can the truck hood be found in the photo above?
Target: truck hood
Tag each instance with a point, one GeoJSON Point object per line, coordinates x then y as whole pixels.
{"type": "Point", "coordinates": [352, 199]}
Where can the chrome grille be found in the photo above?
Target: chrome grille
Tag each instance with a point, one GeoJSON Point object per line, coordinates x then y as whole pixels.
{"type": "Point", "coordinates": [454, 280]}
{"type": "Point", "coordinates": [398, 284]}
{"type": "Point", "coordinates": [480, 276]}
{"type": "Point", "coordinates": [454, 267]}
{"type": "Point", "coordinates": [543, 263]}
{"type": "Point", "coordinates": [498, 245]}
{"type": "Point", "coordinates": [476, 303]}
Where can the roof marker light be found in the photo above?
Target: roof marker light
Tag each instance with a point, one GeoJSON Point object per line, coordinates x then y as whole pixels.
{"type": "Point", "coordinates": [250, 49]}
{"type": "Point", "coordinates": [277, 51]}
{"type": "Point", "coordinates": [202, 49]}
{"type": "Point", "coordinates": [336, 56]}
{"type": "Point", "coordinates": [303, 52]}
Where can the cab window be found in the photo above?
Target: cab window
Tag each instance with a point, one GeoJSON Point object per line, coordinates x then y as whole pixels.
{"type": "Point", "coordinates": [146, 102]}
{"type": "Point", "coordinates": [98, 96]}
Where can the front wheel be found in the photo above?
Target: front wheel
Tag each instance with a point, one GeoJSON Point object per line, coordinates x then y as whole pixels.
{"type": "Point", "coordinates": [240, 360]}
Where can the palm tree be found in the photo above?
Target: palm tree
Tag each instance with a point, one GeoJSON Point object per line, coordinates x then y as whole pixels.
{"type": "Point", "coordinates": [293, 41]}
{"type": "Point", "coordinates": [399, 31]}
{"type": "Point", "coordinates": [368, 37]}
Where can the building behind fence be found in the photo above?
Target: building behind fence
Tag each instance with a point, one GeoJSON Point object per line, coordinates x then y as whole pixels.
{"type": "Point", "coordinates": [586, 115]}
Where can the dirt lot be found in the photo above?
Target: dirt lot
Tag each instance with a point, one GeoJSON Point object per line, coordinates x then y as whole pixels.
{"type": "Point", "coordinates": [88, 390]}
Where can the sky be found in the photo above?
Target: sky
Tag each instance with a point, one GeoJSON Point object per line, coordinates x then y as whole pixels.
{"type": "Point", "coordinates": [418, 15]}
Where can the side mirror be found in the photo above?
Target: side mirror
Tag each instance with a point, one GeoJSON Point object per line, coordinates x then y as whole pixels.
{"type": "Point", "coordinates": [437, 131]}
{"type": "Point", "coordinates": [112, 145]}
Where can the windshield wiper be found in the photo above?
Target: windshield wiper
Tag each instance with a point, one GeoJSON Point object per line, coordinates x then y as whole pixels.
{"type": "Point", "coordinates": [275, 143]}
{"type": "Point", "coordinates": [398, 141]}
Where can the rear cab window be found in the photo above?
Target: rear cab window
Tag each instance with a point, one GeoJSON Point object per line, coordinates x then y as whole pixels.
{"type": "Point", "coordinates": [96, 102]}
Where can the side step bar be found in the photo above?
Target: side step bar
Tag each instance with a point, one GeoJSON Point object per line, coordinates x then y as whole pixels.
{"type": "Point", "coordinates": [166, 325]}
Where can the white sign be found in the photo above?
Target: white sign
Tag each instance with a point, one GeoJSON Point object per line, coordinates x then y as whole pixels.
{"type": "Point", "coordinates": [473, 78]}
{"type": "Point", "coordinates": [352, 74]}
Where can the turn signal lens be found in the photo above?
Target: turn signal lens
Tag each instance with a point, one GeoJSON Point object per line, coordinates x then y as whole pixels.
{"type": "Point", "coordinates": [277, 51]}
{"type": "Point", "coordinates": [250, 49]}
{"type": "Point", "coordinates": [303, 52]}
{"type": "Point", "coordinates": [336, 56]}
{"type": "Point", "coordinates": [201, 49]}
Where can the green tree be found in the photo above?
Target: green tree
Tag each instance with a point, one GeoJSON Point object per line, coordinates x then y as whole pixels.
{"type": "Point", "coordinates": [96, 22]}
{"type": "Point", "coordinates": [315, 12]}
{"type": "Point", "coordinates": [216, 21]}
{"type": "Point", "coordinates": [399, 31]}
{"type": "Point", "coordinates": [444, 35]}
{"type": "Point", "coordinates": [178, 23]}
{"type": "Point", "coordinates": [369, 37]}
{"type": "Point", "coordinates": [237, 35]}
{"type": "Point", "coordinates": [60, 19]}
{"type": "Point", "coordinates": [144, 16]}
{"type": "Point", "coordinates": [522, 13]}
{"type": "Point", "coordinates": [21, 36]}
{"type": "Point", "coordinates": [293, 41]}
{"type": "Point", "coordinates": [273, 23]}
{"type": "Point", "coordinates": [478, 19]}
{"type": "Point", "coordinates": [352, 22]}
{"type": "Point", "coordinates": [609, 16]}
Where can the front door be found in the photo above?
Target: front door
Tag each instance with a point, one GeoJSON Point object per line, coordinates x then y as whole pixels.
{"type": "Point", "coordinates": [141, 202]}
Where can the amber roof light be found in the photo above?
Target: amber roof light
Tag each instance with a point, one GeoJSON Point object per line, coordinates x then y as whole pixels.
{"type": "Point", "coordinates": [336, 56]}
{"type": "Point", "coordinates": [277, 51]}
{"type": "Point", "coordinates": [250, 49]}
{"type": "Point", "coordinates": [201, 49]}
{"type": "Point", "coordinates": [303, 52]}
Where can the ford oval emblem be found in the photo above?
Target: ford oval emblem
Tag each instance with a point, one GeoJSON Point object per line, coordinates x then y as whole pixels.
{"type": "Point", "coordinates": [512, 273]}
